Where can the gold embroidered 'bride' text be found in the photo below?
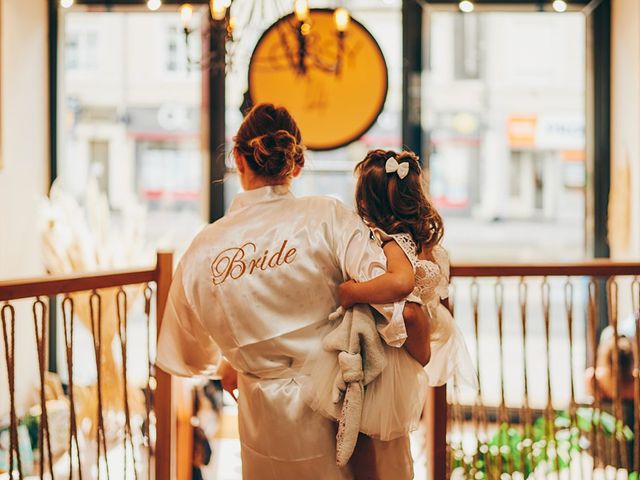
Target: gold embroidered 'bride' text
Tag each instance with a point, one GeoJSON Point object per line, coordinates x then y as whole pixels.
{"type": "Point", "coordinates": [235, 262]}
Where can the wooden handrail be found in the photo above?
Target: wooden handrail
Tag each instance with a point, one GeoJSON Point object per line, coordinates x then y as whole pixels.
{"type": "Point", "coordinates": [591, 268]}
{"type": "Point", "coordinates": [174, 441]}
{"type": "Point", "coordinates": [436, 407]}
{"type": "Point", "coordinates": [172, 455]}
{"type": "Point", "coordinates": [53, 285]}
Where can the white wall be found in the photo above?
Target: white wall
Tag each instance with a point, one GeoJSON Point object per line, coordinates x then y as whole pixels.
{"type": "Point", "coordinates": [24, 174]}
{"type": "Point", "coordinates": [624, 208]}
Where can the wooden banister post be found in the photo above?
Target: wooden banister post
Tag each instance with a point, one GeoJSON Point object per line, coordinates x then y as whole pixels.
{"type": "Point", "coordinates": [436, 441]}
{"type": "Point", "coordinates": [436, 416]}
{"type": "Point", "coordinates": [173, 401]}
{"type": "Point", "coordinates": [165, 426]}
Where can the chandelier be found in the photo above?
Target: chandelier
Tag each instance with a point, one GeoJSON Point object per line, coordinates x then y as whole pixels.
{"type": "Point", "coordinates": [226, 23]}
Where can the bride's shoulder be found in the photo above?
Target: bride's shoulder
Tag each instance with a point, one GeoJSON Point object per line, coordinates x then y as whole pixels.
{"type": "Point", "coordinates": [329, 206]}
{"type": "Point", "coordinates": [329, 202]}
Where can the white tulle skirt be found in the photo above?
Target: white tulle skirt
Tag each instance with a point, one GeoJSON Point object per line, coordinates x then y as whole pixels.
{"type": "Point", "coordinates": [450, 359]}
{"type": "Point", "coordinates": [394, 401]}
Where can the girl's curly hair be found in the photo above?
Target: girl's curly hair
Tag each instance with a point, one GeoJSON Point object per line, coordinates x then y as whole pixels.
{"type": "Point", "coordinates": [396, 205]}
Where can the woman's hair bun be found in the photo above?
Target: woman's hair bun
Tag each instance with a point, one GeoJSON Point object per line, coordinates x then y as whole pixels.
{"type": "Point", "coordinates": [276, 154]}
{"type": "Point", "coordinates": [270, 141]}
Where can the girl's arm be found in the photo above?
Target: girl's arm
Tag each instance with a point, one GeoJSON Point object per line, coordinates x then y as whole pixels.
{"type": "Point", "coordinates": [392, 286]}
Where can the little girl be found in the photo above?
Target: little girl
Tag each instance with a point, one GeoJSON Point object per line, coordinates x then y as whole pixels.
{"type": "Point", "coordinates": [391, 199]}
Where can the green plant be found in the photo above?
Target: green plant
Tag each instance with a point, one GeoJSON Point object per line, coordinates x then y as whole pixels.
{"type": "Point", "coordinates": [522, 449]}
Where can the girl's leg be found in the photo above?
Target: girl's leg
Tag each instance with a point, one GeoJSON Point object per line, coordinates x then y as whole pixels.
{"type": "Point", "coordinates": [363, 460]}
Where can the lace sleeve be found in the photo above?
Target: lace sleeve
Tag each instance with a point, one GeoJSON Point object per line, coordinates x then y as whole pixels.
{"type": "Point", "coordinates": [404, 241]}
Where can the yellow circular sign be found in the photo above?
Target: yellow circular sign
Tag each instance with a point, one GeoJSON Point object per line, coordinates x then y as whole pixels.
{"type": "Point", "coordinates": [334, 84]}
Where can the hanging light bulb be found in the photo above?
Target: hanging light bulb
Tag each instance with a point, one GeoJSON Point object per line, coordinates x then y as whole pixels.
{"type": "Point", "coordinates": [186, 14]}
{"type": "Point", "coordinates": [301, 9]}
{"type": "Point", "coordinates": [342, 18]}
{"type": "Point", "coordinates": [218, 9]}
{"type": "Point", "coordinates": [560, 6]}
{"type": "Point", "coordinates": [154, 5]}
{"type": "Point", "coordinates": [466, 6]}
{"type": "Point", "coordinates": [305, 29]}
{"type": "Point", "coordinates": [66, 3]}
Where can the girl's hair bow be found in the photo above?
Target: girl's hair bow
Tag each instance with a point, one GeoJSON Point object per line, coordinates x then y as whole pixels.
{"type": "Point", "coordinates": [392, 166]}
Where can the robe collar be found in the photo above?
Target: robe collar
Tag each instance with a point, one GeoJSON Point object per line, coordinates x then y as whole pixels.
{"type": "Point", "coordinates": [259, 195]}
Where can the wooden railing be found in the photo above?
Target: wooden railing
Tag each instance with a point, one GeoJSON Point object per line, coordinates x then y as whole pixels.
{"type": "Point", "coordinates": [164, 437]}
{"type": "Point", "coordinates": [533, 332]}
{"type": "Point", "coordinates": [567, 303]}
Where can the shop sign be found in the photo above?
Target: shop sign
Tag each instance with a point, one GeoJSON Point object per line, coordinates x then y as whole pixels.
{"type": "Point", "coordinates": [546, 132]}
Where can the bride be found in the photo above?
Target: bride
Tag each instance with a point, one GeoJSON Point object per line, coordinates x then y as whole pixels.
{"type": "Point", "coordinates": [257, 287]}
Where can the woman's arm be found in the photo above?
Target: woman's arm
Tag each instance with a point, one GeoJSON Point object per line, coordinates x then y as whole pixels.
{"type": "Point", "coordinates": [185, 346]}
{"type": "Point", "coordinates": [418, 343]}
{"type": "Point", "coordinates": [389, 287]}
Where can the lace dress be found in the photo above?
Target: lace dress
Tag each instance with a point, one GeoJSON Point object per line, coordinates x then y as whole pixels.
{"type": "Point", "coordinates": [394, 401]}
{"type": "Point", "coordinates": [450, 359]}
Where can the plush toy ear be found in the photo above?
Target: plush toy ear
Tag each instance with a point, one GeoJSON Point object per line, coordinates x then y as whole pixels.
{"type": "Point", "coordinates": [349, 423]}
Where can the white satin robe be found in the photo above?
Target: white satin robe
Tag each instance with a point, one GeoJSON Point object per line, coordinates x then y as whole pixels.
{"type": "Point", "coordinates": [258, 286]}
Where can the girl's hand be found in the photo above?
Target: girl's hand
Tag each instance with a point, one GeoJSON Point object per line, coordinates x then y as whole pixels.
{"type": "Point", "coordinates": [228, 378]}
{"type": "Point", "coordinates": [345, 294]}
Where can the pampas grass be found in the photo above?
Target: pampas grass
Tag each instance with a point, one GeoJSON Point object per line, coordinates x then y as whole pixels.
{"type": "Point", "coordinates": [81, 237]}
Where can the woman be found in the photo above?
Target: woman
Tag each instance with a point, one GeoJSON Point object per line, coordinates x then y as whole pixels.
{"type": "Point", "coordinates": [257, 286]}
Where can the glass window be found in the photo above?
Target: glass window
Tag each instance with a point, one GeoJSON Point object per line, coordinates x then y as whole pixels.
{"type": "Point", "coordinates": [130, 119]}
{"type": "Point", "coordinates": [504, 119]}
{"type": "Point", "coordinates": [71, 50]}
{"type": "Point", "coordinates": [467, 47]}
{"type": "Point", "coordinates": [81, 49]}
{"type": "Point", "coordinates": [172, 49]}
{"type": "Point", "coordinates": [178, 51]}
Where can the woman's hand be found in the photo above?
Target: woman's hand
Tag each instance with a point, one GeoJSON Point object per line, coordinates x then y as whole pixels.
{"type": "Point", "coordinates": [228, 378]}
{"type": "Point", "coordinates": [345, 294]}
{"type": "Point", "coordinates": [418, 342]}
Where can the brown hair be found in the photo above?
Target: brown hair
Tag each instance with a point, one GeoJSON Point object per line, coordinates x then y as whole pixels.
{"type": "Point", "coordinates": [270, 141]}
{"type": "Point", "coordinates": [397, 205]}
